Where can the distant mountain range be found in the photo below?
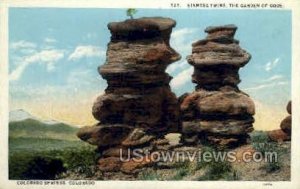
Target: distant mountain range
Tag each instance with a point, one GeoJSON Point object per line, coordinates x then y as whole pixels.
{"type": "Point", "coordinates": [21, 115]}
{"type": "Point", "coordinates": [23, 124]}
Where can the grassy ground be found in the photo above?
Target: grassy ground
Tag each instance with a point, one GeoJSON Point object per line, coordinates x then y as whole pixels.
{"type": "Point", "coordinates": [40, 151]}
{"type": "Point", "coordinates": [40, 154]}
{"type": "Point", "coordinates": [32, 158]}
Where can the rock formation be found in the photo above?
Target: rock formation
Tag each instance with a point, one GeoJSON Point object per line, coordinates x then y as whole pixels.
{"type": "Point", "coordinates": [285, 131]}
{"type": "Point", "coordinates": [217, 112]}
{"type": "Point", "coordinates": [138, 107]}
{"type": "Point", "coordinates": [286, 124]}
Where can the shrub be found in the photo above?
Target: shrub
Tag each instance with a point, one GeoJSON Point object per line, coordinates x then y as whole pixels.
{"type": "Point", "coordinates": [182, 170]}
{"type": "Point", "coordinates": [215, 169]}
{"type": "Point", "coordinates": [81, 160]}
{"type": "Point", "coordinates": [272, 166]}
{"type": "Point", "coordinates": [49, 164]}
{"type": "Point", "coordinates": [262, 144]}
{"type": "Point", "coordinates": [130, 12]}
{"type": "Point", "coordinates": [259, 137]}
{"type": "Point", "coordinates": [43, 168]}
{"type": "Point", "coordinates": [148, 175]}
{"type": "Point", "coordinates": [34, 166]}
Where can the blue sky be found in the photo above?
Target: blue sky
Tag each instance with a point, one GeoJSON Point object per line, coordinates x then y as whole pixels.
{"type": "Point", "coordinates": [54, 52]}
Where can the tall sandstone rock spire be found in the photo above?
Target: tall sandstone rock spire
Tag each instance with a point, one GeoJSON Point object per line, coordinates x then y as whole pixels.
{"type": "Point", "coordinates": [138, 106]}
{"type": "Point", "coordinates": [217, 112]}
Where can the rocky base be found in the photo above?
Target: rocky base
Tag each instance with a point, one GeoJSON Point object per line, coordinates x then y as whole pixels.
{"type": "Point", "coordinates": [241, 171]}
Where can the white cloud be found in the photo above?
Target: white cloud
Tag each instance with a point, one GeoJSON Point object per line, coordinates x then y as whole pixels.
{"type": "Point", "coordinates": [274, 78]}
{"type": "Point", "coordinates": [176, 66]}
{"type": "Point", "coordinates": [16, 74]}
{"type": "Point", "coordinates": [181, 78]}
{"type": "Point", "coordinates": [22, 45]}
{"type": "Point", "coordinates": [50, 40]}
{"type": "Point", "coordinates": [271, 82]}
{"type": "Point", "coordinates": [27, 51]}
{"type": "Point", "coordinates": [269, 85]}
{"type": "Point", "coordinates": [182, 39]}
{"type": "Point", "coordinates": [48, 57]}
{"type": "Point", "coordinates": [181, 33]}
{"type": "Point", "coordinates": [271, 65]}
{"type": "Point", "coordinates": [86, 51]}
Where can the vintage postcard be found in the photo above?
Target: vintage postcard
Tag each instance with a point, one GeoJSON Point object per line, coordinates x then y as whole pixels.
{"type": "Point", "coordinates": [131, 94]}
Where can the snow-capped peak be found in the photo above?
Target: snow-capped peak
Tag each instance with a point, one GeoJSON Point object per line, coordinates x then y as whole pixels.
{"type": "Point", "coordinates": [19, 115]}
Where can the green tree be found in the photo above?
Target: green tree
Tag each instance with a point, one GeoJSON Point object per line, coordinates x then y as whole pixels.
{"type": "Point", "coordinates": [130, 12]}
